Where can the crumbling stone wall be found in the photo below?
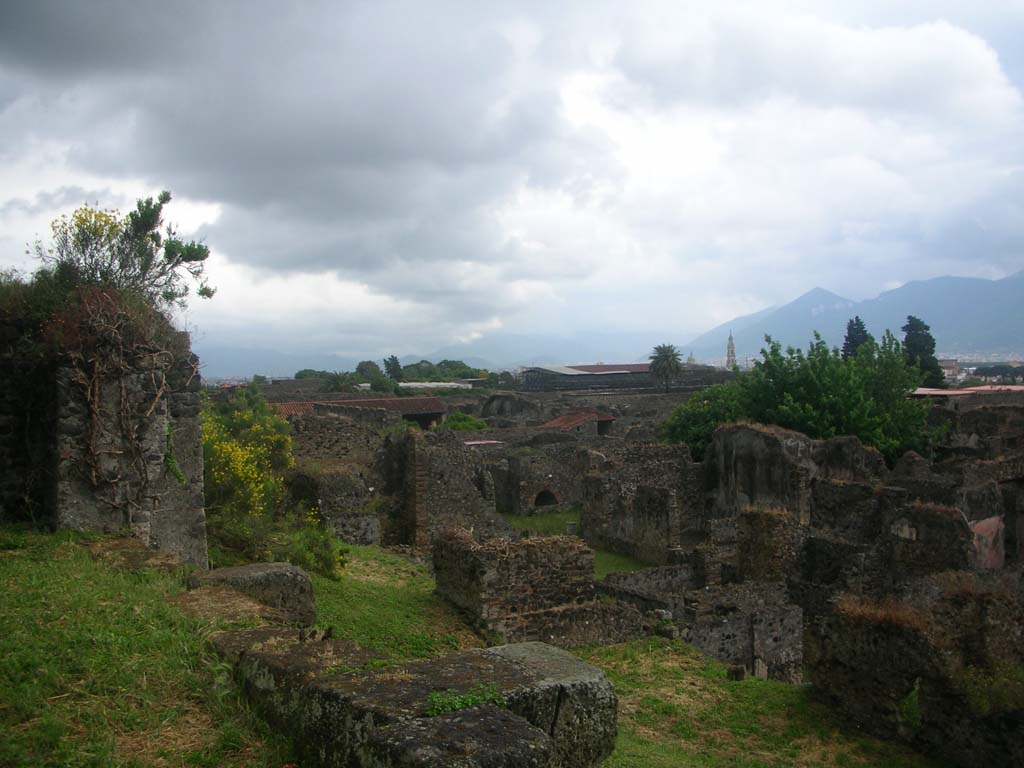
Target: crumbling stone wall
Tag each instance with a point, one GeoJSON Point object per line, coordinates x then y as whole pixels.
{"type": "Point", "coordinates": [531, 589]}
{"type": "Point", "coordinates": [645, 503]}
{"type": "Point", "coordinates": [133, 459]}
{"type": "Point", "coordinates": [127, 457]}
{"type": "Point", "coordinates": [433, 481]}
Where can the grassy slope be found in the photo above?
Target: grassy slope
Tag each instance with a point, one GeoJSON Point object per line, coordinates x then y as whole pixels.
{"type": "Point", "coordinates": [387, 602]}
{"type": "Point", "coordinates": [97, 669]}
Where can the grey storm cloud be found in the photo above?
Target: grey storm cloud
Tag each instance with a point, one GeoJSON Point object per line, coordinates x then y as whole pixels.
{"type": "Point", "coordinates": [470, 163]}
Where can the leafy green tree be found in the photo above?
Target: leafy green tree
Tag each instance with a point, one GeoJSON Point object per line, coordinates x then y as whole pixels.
{"type": "Point", "coordinates": [919, 348]}
{"type": "Point", "coordinates": [100, 247]}
{"type": "Point", "coordinates": [369, 370]}
{"type": "Point", "coordinates": [666, 364]}
{"type": "Point", "coordinates": [856, 336]}
{"type": "Point", "coordinates": [817, 393]}
{"type": "Point", "coordinates": [424, 370]}
{"type": "Point", "coordinates": [393, 368]}
{"type": "Point", "coordinates": [340, 381]}
{"type": "Point", "coordinates": [695, 421]}
{"type": "Point", "coordinates": [463, 421]}
{"type": "Point", "coordinates": [311, 373]}
{"type": "Point", "coordinates": [384, 385]}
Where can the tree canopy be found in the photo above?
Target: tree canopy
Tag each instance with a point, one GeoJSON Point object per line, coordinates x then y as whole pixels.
{"type": "Point", "coordinates": [393, 368]}
{"type": "Point", "coordinates": [100, 247]}
{"type": "Point", "coordinates": [817, 393]}
{"type": "Point", "coordinates": [666, 364]}
{"type": "Point", "coordinates": [856, 336]}
{"type": "Point", "coordinates": [919, 347]}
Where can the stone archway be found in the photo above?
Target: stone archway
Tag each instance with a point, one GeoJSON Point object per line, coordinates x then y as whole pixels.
{"type": "Point", "coordinates": [545, 498]}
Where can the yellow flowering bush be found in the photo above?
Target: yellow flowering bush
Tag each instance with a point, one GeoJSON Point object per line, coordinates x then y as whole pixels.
{"type": "Point", "coordinates": [246, 449]}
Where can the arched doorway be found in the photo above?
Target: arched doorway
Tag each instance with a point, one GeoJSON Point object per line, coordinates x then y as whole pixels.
{"type": "Point", "coordinates": [545, 499]}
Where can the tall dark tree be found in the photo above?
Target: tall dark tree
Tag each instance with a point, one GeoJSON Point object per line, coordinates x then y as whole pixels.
{"type": "Point", "coordinates": [666, 364]}
{"type": "Point", "coordinates": [369, 370]}
{"type": "Point", "coordinates": [393, 368]}
{"type": "Point", "coordinates": [919, 348]}
{"type": "Point", "coordinates": [856, 336]}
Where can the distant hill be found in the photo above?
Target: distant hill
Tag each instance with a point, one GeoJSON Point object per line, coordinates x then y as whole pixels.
{"type": "Point", "coordinates": [228, 362]}
{"type": "Point", "coordinates": [968, 316]}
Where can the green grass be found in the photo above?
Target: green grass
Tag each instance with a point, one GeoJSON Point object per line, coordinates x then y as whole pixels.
{"type": "Point", "coordinates": [610, 562]}
{"type": "Point", "coordinates": [386, 602]}
{"type": "Point", "coordinates": [677, 708]}
{"type": "Point", "coordinates": [98, 669]}
{"type": "Point", "coordinates": [545, 523]}
{"type": "Point", "coordinates": [553, 524]}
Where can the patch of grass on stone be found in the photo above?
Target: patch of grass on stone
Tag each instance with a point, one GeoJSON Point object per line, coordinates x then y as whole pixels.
{"type": "Point", "coordinates": [97, 668]}
{"type": "Point", "coordinates": [386, 602]}
{"type": "Point", "coordinates": [440, 702]}
{"type": "Point", "coordinates": [678, 708]}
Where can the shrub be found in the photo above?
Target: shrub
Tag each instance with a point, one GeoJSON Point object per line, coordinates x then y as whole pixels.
{"type": "Point", "coordinates": [463, 421]}
{"type": "Point", "coordinates": [246, 450]}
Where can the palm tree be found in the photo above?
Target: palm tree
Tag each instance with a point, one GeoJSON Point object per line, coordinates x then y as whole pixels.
{"type": "Point", "coordinates": [665, 364]}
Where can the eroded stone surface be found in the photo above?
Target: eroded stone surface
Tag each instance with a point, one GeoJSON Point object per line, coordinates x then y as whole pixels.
{"type": "Point", "coordinates": [279, 585]}
{"type": "Point", "coordinates": [482, 737]}
{"type": "Point", "coordinates": [338, 705]}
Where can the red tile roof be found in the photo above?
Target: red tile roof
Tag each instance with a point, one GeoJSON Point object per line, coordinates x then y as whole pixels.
{"type": "Point", "coordinates": [570, 420]}
{"type": "Point", "coordinates": [989, 389]}
{"type": "Point", "coordinates": [407, 406]}
{"type": "Point", "coordinates": [620, 368]}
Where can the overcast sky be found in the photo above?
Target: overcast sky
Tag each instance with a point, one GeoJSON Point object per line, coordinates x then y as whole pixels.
{"type": "Point", "coordinates": [377, 177]}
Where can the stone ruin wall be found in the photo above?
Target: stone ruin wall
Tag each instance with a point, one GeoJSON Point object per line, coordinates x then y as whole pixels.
{"type": "Point", "coordinates": [433, 481]}
{"type": "Point", "coordinates": [142, 470]}
{"type": "Point", "coordinates": [644, 503]}
{"type": "Point", "coordinates": [531, 589]}
{"type": "Point", "coordinates": [336, 468]}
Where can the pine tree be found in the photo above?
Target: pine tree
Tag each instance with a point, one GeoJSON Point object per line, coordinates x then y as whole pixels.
{"type": "Point", "coordinates": [919, 348]}
{"type": "Point", "coordinates": [856, 336]}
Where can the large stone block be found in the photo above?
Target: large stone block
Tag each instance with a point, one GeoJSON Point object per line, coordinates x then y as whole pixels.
{"type": "Point", "coordinates": [344, 711]}
{"type": "Point", "coordinates": [279, 585]}
{"type": "Point", "coordinates": [482, 737]}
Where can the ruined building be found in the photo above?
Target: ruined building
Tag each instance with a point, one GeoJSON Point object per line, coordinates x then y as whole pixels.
{"type": "Point", "coordinates": [104, 448]}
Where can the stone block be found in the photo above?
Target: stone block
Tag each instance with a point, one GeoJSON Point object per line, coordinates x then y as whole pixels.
{"type": "Point", "coordinates": [279, 585]}
{"type": "Point", "coordinates": [561, 712]}
{"type": "Point", "coordinates": [482, 737]}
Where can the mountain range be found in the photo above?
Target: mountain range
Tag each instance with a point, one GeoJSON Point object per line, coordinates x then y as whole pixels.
{"type": "Point", "coordinates": [969, 318]}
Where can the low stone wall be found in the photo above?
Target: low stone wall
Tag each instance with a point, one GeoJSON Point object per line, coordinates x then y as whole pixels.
{"type": "Point", "coordinates": [558, 712]}
{"type": "Point", "coordinates": [532, 589]}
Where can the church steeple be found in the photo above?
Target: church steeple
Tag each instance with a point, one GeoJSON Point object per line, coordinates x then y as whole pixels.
{"type": "Point", "coordinates": [730, 353]}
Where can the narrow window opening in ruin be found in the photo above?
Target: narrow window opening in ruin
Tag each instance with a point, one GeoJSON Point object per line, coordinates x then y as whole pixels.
{"type": "Point", "coordinates": [604, 428]}
{"type": "Point", "coordinates": [545, 499]}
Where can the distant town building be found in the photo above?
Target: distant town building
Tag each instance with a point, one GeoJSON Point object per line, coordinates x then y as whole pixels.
{"type": "Point", "coordinates": [730, 353]}
{"type": "Point", "coordinates": [951, 369]}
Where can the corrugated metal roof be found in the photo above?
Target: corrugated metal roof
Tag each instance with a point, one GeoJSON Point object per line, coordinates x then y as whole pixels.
{"type": "Point", "coordinates": [597, 369]}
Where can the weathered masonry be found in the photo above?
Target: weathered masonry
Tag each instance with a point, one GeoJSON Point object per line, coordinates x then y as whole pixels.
{"type": "Point", "coordinates": [116, 451]}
